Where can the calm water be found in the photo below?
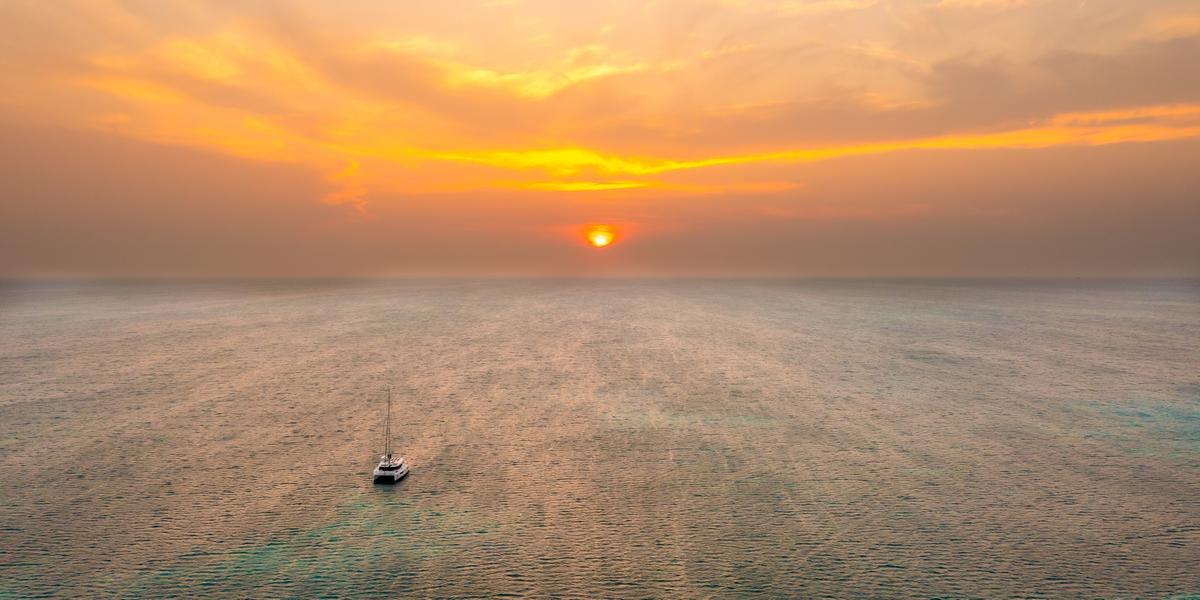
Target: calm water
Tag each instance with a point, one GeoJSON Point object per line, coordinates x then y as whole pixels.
{"type": "Point", "coordinates": [602, 439]}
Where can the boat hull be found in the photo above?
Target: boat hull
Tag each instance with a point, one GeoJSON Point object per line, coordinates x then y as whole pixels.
{"type": "Point", "coordinates": [391, 477]}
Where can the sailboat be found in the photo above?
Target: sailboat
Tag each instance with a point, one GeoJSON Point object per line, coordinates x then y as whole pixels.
{"type": "Point", "coordinates": [391, 468]}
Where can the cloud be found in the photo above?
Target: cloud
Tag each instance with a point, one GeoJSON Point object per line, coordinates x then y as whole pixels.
{"type": "Point", "coordinates": [965, 96]}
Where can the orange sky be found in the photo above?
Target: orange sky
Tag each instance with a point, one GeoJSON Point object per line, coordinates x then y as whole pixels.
{"type": "Point", "coordinates": [719, 137]}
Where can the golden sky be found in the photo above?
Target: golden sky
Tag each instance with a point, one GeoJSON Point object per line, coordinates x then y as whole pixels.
{"type": "Point", "coordinates": [719, 137]}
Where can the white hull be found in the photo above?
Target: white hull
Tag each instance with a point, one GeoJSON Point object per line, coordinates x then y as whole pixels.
{"type": "Point", "coordinates": [390, 470]}
{"type": "Point", "coordinates": [390, 477]}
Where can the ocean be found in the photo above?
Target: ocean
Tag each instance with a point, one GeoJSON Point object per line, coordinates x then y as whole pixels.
{"type": "Point", "coordinates": [601, 438]}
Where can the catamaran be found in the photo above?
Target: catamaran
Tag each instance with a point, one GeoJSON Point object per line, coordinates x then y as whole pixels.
{"type": "Point", "coordinates": [391, 468]}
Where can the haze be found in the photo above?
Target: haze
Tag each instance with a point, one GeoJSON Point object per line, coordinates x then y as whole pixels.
{"type": "Point", "coordinates": [727, 137]}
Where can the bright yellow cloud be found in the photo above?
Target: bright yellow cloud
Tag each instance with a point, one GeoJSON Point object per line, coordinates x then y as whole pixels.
{"type": "Point", "coordinates": [583, 186]}
{"type": "Point", "coordinates": [1144, 124]}
{"type": "Point", "coordinates": [534, 84]}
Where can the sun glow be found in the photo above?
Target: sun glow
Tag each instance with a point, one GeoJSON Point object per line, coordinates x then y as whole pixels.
{"type": "Point", "coordinates": [600, 236]}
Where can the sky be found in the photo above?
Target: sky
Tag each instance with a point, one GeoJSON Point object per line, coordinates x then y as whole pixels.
{"type": "Point", "coordinates": [831, 138]}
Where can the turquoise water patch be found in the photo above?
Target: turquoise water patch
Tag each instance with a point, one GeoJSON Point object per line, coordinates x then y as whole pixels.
{"type": "Point", "coordinates": [372, 540]}
{"type": "Point", "coordinates": [1156, 423]}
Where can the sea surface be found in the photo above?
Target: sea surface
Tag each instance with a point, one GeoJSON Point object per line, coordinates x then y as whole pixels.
{"type": "Point", "coordinates": [603, 438]}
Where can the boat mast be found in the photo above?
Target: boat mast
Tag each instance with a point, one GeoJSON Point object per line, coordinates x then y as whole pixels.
{"type": "Point", "coordinates": [387, 428]}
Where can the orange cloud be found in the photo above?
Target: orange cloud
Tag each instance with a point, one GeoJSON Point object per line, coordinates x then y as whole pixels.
{"type": "Point", "coordinates": [425, 113]}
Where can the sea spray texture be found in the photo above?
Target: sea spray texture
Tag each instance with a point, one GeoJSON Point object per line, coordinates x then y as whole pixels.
{"type": "Point", "coordinates": [602, 439]}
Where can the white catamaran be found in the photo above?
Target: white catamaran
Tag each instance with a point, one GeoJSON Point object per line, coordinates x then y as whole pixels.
{"type": "Point", "coordinates": [391, 468]}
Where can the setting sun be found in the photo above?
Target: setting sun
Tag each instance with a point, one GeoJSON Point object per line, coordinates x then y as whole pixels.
{"type": "Point", "coordinates": [600, 236]}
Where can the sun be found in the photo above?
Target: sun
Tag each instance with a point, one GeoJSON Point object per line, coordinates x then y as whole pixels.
{"type": "Point", "coordinates": [600, 236]}
{"type": "Point", "coordinates": [599, 239]}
